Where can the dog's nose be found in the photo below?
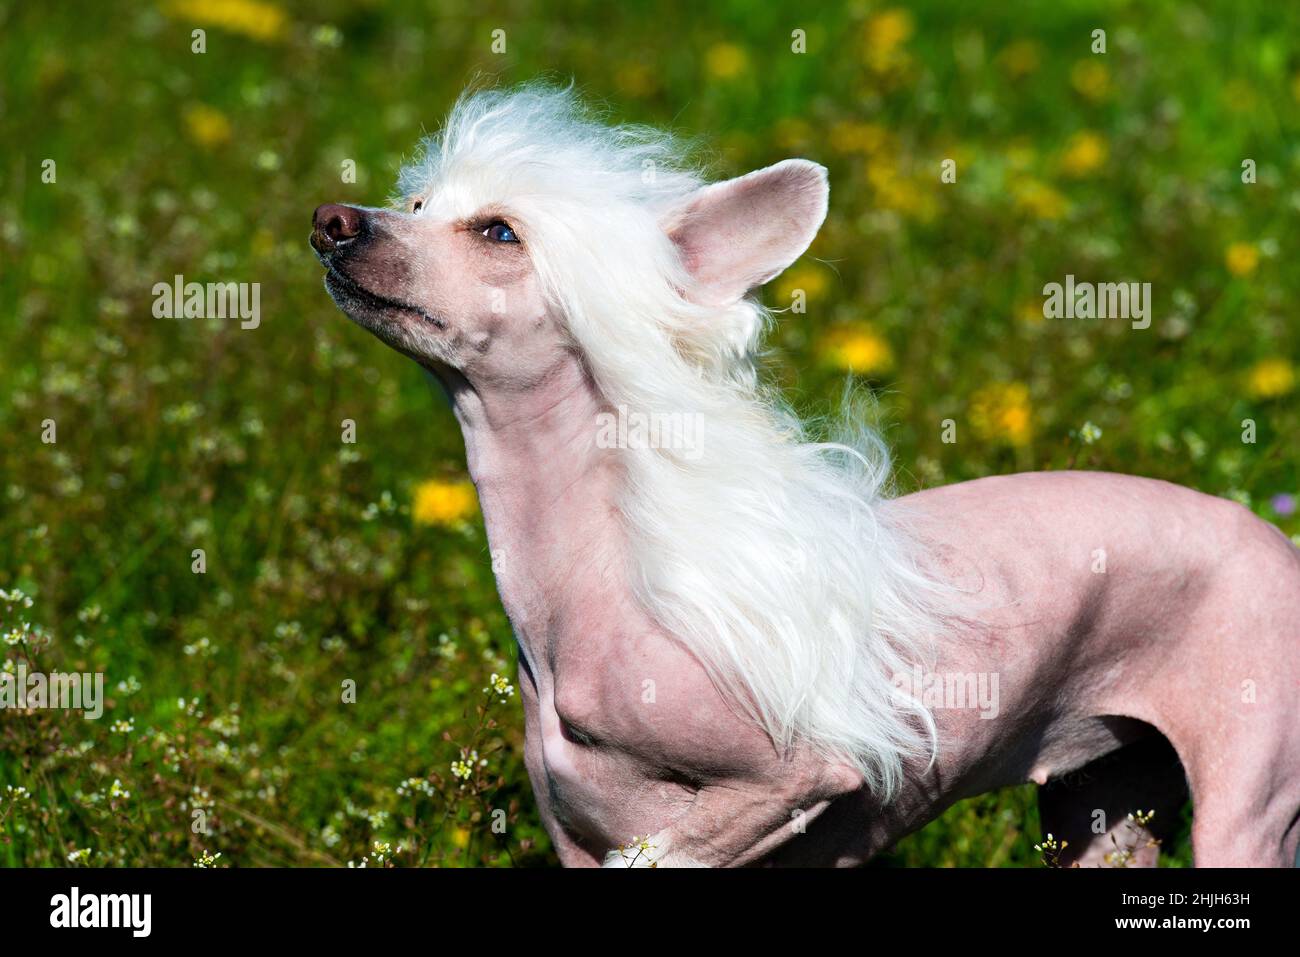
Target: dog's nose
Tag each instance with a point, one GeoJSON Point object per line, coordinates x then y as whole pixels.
{"type": "Point", "coordinates": [335, 225]}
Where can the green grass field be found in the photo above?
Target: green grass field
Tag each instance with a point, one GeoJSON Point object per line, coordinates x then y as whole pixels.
{"type": "Point", "coordinates": [226, 729]}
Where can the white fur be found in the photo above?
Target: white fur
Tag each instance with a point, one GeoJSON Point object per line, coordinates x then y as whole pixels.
{"type": "Point", "coordinates": [768, 554]}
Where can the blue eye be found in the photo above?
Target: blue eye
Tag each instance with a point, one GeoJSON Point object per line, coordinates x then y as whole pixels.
{"type": "Point", "coordinates": [501, 233]}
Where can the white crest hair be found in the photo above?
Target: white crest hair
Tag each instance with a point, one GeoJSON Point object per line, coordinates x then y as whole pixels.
{"type": "Point", "coordinates": [767, 554]}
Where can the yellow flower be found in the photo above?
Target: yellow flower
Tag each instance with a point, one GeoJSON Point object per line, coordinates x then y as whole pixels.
{"type": "Point", "coordinates": [1270, 378]}
{"type": "Point", "coordinates": [1040, 200]}
{"type": "Point", "coordinates": [1085, 153]}
{"type": "Point", "coordinates": [858, 349]}
{"type": "Point", "coordinates": [1030, 312]}
{"type": "Point", "coordinates": [1001, 413]}
{"type": "Point", "coordinates": [443, 503]}
{"type": "Point", "coordinates": [252, 18]}
{"type": "Point", "coordinates": [811, 279]}
{"type": "Point", "coordinates": [1241, 258]}
{"type": "Point", "coordinates": [885, 33]}
{"type": "Point", "coordinates": [726, 60]}
{"type": "Point", "coordinates": [207, 126]}
{"type": "Point", "coordinates": [899, 193]}
{"type": "Point", "coordinates": [892, 191]}
{"type": "Point", "coordinates": [851, 136]}
{"type": "Point", "coordinates": [1090, 78]}
{"type": "Point", "coordinates": [1021, 58]}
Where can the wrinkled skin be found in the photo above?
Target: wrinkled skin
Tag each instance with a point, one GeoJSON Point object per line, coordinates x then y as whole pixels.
{"type": "Point", "coordinates": [1198, 598]}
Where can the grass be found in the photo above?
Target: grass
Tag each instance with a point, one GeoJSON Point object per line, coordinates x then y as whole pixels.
{"type": "Point", "coordinates": [229, 722]}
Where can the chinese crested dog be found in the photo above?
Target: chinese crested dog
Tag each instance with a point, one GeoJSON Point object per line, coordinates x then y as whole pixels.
{"type": "Point", "coordinates": [735, 647]}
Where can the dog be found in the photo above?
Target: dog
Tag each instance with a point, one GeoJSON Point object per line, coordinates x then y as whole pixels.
{"type": "Point", "coordinates": [745, 651]}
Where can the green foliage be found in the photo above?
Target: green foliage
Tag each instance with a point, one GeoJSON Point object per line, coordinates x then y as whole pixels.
{"type": "Point", "coordinates": [226, 689]}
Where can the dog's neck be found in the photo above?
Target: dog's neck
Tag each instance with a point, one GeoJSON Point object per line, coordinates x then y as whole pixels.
{"type": "Point", "coordinates": [548, 495]}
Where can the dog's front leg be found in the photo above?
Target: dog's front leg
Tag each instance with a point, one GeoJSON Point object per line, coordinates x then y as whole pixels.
{"type": "Point", "coordinates": [738, 822]}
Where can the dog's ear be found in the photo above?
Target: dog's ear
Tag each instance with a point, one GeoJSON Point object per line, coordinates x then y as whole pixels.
{"type": "Point", "coordinates": [740, 233]}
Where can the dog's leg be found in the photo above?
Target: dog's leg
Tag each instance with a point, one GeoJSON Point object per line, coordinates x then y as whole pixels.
{"type": "Point", "coordinates": [1228, 839]}
{"type": "Point", "coordinates": [1090, 808]}
{"type": "Point", "coordinates": [1245, 817]}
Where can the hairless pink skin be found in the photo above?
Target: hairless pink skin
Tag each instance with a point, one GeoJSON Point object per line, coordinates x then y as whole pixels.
{"type": "Point", "coordinates": [1198, 598]}
{"type": "Point", "coordinates": [1191, 631]}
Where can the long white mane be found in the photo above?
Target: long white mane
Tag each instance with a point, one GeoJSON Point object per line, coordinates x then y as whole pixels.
{"type": "Point", "coordinates": [766, 553]}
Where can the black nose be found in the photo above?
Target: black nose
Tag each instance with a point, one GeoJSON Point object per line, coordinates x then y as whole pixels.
{"type": "Point", "coordinates": [334, 225]}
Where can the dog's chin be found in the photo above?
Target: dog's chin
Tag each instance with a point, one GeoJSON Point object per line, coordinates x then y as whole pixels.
{"type": "Point", "coordinates": [382, 316]}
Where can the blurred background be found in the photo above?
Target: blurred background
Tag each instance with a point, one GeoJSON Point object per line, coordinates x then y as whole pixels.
{"type": "Point", "coordinates": [227, 738]}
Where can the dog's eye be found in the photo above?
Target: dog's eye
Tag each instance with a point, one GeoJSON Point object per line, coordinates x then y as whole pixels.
{"type": "Point", "coordinates": [500, 232]}
{"type": "Point", "coordinates": [417, 206]}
